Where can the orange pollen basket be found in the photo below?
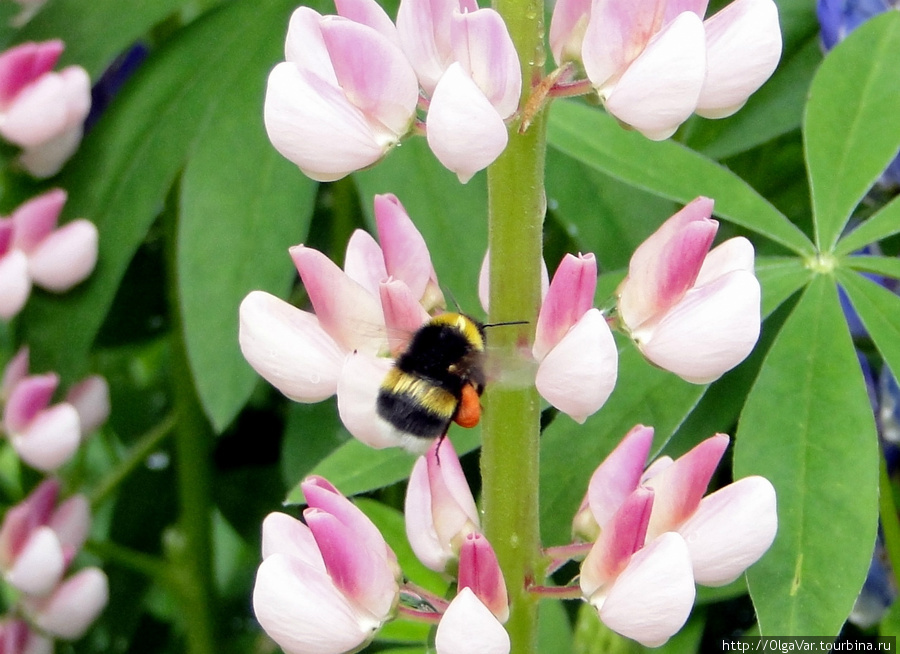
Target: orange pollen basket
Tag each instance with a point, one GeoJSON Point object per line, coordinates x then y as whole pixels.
{"type": "Point", "coordinates": [469, 412]}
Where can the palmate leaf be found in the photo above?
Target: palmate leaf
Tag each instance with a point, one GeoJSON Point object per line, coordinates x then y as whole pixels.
{"type": "Point", "coordinates": [808, 427]}
{"type": "Point", "coordinates": [879, 310]}
{"type": "Point", "coordinates": [852, 127]}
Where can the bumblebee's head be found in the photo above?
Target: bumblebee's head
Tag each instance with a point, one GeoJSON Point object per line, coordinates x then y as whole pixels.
{"type": "Point", "coordinates": [470, 329]}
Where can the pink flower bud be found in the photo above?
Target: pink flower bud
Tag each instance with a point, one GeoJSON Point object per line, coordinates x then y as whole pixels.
{"type": "Point", "coordinates": [39, 565]}
{"type": "Point", "coordinates": [468, 621]}
{"type": "Point", "coordinates": [16, 637]}
{"type": "Point", "coordinates": [440, 510]}
{"type": "Point", "coordinates": [15, 283]}
{"type": "Point", "coordinates": [480, 571]}
{"type": "Point", "coordinates": [50, 439]}
{"type": "Point", "coordinates": [66, 257]}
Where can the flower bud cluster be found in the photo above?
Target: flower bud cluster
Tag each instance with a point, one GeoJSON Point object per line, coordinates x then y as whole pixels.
{"type": "Point", "coordinates": [328, 583]}
{"type": "Point", "coordinates": [39, 538]}
{"type": "Point", "coordinates": [42, 111]}
{"type": "Point", "coordinates": [352, 85]}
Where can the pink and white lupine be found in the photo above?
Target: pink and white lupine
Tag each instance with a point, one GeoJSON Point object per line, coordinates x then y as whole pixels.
{"type": "Point", "coordinates": [363, 316]}
{"type": "Point", "coordinates": [17, 637]}
{"type": "Point", "coordinates": [655, 62]}
{"type": "Point", "coordinates": [39, 537]}
{"type": "Point", "coordinates": [726, 531]}
{"type": "Point", "coordinates": [345, 95]}
{"type": "Point", "coordinates": [328, 585]}
{"type": "Point", "coordinates": [467, 63]}
{"type": "Point", "coordinates": [439, 509]}
{"type": "Point", "coordinates": [642, 590]}
{"type": "Point", "coordinates": [70, 610]}
{"type": "Point", "coordinates": [692, 311]}
{"type": "Point", "coordinates": [33, 250]}
{"type": "Point", "coordinates": [42, 111]}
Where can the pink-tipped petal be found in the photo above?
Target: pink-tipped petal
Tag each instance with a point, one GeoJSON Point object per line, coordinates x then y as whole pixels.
{"type": "Point", "coordinates": [25, 63]}
{"type": "Point", "coordinates": [370, 13]}
{"type": "Point", "coordinates": [364, 261]}
{"type": "Point", "coordinates": [420, 530]}
{"type": "Point", "coordinates": [16, 370]}
{"type": "Point", "coordinates": [289, 348]}
{"type": "Point", "coordinates": [36, 219]}
{"type": "Point", "coordinates": [680, 487]}
{"type": "Point", "coordinates": [659, 90]}
{"type": "Point", "coordinates": [90, 397]}
{"type": "Point", "coordinates": [39, 566]}
{"type": "Point", "coordinates": [357, 393]}
{"type": "Point", "coordinates": [27, 399]}
{"type": "Point", "coordinates": [480, 571]}
{"type": "Point", "coordinates": [302, 611]}
{"type": "Point", "coordinates": [468, 621]}
{"type": "Point", "coordinates": [344, 309]}
{"type": "Point", "coordinates": [730, 530]}
{"type": "Point", "coordinates": [621, 536]}
{"type": "Point", "coordinates": [403, 314]}
{"type": "Point", "coordinates": [406, 255]}
{"type": "Point", "coordinates": [666, 265]}
{"type": "Point", "coordinates": [567, 29]}
{"type": "Point", "coordinates": [570, 296]}
{"type": "Point", "coordinates": [50, 439]}
{"type": "Point", "coordinates": [363, 575]}
{"type": "Point", "coordinates": [304, 46]}
{"type": "Point", "coordinates": [374, 75]}
{"type": "Point", "coordinates": [619, 474]}
{"type": "Point", "coordinates": [482, 45]}
{"type": "Point", "coordinates": [71, 522]}
{"type": "Point", "coordinates": [743, 43]}
{"type": "Point", "coordinates": [579, 374]}
{"type": "Point", "coordinates": [15, 283]}
{"type": "Point", "coordinates": [653, 596]}
{"type": "Point", "coordinates": [463, 129]}
{"type": "Point", "coordinates": [452, 509]}
{"type": "Point", "coordinates": [424, 30]}
{"type": "Point", "coordinates": [710, 332]}
{"type": "Point", "coordinates": [66, 257]}
{"type": "Point", "coordinates": [74, 606]}
{"type": "Point", "coordinates": [616, 35]}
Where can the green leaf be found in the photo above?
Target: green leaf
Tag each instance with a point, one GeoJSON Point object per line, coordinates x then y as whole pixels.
{"type": "Point", "coordinates": [852, 127]}
{"type": "Point", "coordinates": [123, 171]}
{"type": "Point", "coordinates": [808, 428]}
{"type": "Point", "coordinates": [570, 452]}
{"type": "Point", "coordinates": [87, 27]}
{"type": "Point", "coordinates": [879, 310]}
{"type": "Point", "coordinates": [236, 224]}
{"type": "Point", "coordinates": [887, 266]}
{"type": "Point", "coordinates": [451, 217]}
{"type": "Point", "coordinates": [886, 222]}
{"type": "Point", "coordinates": [356, 468]}
{"type": "Point", "coordinates": [667, 169]}
{"type": "Point", "coordinates": [780, 278]}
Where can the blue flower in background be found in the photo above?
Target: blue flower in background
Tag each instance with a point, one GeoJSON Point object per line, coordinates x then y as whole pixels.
{"type": "Point", "coordinates": [838, 18]}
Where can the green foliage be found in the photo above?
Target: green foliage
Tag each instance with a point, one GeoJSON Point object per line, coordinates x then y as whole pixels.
{"type": "Point", "coordinates": [195, 209]}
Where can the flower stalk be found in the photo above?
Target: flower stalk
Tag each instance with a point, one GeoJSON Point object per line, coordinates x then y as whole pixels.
{"type": "Point", "coordinates": [511, 426]}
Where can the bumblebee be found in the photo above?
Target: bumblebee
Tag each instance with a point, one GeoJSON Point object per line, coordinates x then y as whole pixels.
{"type": "Point", "coordinates": [437, 380]}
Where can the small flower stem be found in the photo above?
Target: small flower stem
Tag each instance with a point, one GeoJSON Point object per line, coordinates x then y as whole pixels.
{"type": "Point", "coordinates": [511, 431]}
{"type": "Point", "coordinates": [144, 446]}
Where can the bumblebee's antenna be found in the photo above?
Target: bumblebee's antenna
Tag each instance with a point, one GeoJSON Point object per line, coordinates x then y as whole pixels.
{"type": "Point", "coordinates": [503, 324]}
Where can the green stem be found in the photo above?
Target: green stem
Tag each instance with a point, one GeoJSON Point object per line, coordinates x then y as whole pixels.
{"type": "Point", "coordinates": [890, 525]}
{"type": "Point", "coordinates": [190, 545]}
{"type": "Point", "coordinates": [511, 431]}
{"type": "Point", "coordinates": [144, 446]}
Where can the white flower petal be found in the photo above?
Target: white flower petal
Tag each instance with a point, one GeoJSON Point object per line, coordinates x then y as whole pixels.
{"type": "Point", "coordinates": [730, 530]}
{"type": "Point", "coordinates": [467, 626]}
